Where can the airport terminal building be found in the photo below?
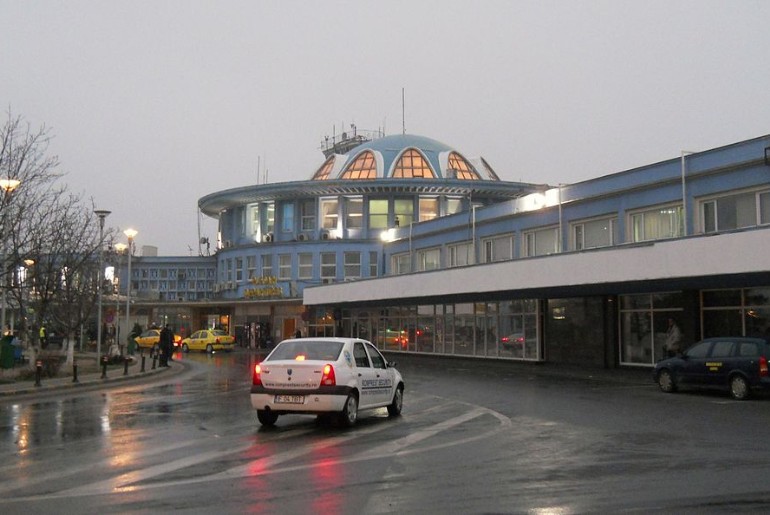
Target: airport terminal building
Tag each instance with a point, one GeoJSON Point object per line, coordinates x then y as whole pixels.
{"type": "Point", "coordinates": [406, 242]}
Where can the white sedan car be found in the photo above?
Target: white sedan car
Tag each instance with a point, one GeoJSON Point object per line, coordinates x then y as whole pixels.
{"type": "Point", "coordinates": [324, 376]}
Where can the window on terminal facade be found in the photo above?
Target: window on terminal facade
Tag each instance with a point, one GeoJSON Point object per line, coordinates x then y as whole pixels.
{"type": "Point", "coordinates": [597, 233]}
{"type": "Point", "coordinates": [373, 259]}
{"type": "Point", "coordinates": [401, 263]}
{"type": "Point", "coordinates": [329, 213]}
{"type": "Point", "coordinates": [307, 215]}
{"type": "Point", "coordinates": [284, 266]}
{"type": "Point", "coordinates": [657, 224]}
{"type": "Point", "coordinates": [428, 208]}
{"type": "Point", "coordinates": [378, 213]}
{"type": "Point", "coordinates": [413, 164]}
{"type": "Point", "coordinates": [352, 265]}
{"type": "Point", "coordinates": [499, 248]}
{"type": "Point", "coordinates": [323, 172]}
{"type": "Point", "coordinates": [429, 259]}
{"type": "Point", "coordinates": [735, 211]}
{"type": "Point", "coordinates": [251, 265]}
{"type": "Point", "coordinates": [305, 265]}
{"type": "Point", "coordinates": [354, 212]}
{"type": "Point", "coordinates": [542, 242]}
{"type": "Point", "coordinates": [267, 265]}
{"type": "Point", "coordinates": [328, 266]}
{"type": "Point", "coordinates": [403, 209]}
{"type": "Point", "coordinates": [460, 254]}
{"type": "Point", "coordinates": [364, 167]}
{"type": "Point", "coordinates": [461, 167]}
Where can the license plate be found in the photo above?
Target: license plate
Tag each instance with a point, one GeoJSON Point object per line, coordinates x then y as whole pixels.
{"type": "Point", "coordinates": [289, 399]}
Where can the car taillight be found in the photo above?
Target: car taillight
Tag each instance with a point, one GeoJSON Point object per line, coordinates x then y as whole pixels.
{"type": "Point", "coordinates": [520, 339]}
{"type": "Point", "coordinates": [763, 366]}
{"type": "Point", "coordinates": [328, 378]}
{"type": "Point", "coordinates": [504, 339]}
{"type": "Point", "coordinates": [216, 341]}
{"type": "Point", "coordinates": [256, 377]}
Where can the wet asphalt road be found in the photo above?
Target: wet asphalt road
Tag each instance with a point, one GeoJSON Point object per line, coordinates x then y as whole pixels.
{"type": "Point", "coordinates": [473, 438]}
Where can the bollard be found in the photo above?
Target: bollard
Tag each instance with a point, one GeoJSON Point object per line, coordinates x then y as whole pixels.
{"type": "Point", "coordinates": [125, 366]}
{"type": "Point", "coordinates": [104, 367]}
{"type": "Point", "coordinates": [142, 363]}
{"type": "Point", "coordinates": [74, 371]}
{"type": "Point", "coordinates": [38, 371]}
{"type": "Point", "coordinates": [154, 360]}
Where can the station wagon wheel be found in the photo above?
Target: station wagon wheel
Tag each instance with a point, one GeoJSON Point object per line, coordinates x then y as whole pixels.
{"type": "Point", "coordinates": [209, 348]}
{"type": "Point", "coordinates": [666, 381]}
{"type": "Point", "coordinates": [185, 348]}
{"type": "Point", "coordinates": [739, 387]}
{"type": "Point", "coordinates": [349, 412]}
{"type": "Point", "coordinates": [267, 417]}
{"type": "Point", "coordinates": [394, 409]}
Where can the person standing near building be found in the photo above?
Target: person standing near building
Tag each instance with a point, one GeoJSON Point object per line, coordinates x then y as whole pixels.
{"type": "Point", "coordinates": [165, 342]}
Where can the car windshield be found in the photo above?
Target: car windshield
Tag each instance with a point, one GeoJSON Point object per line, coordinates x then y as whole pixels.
{"type": "Point", "coordinates": [218, 332]}
{"type": "Point", "coordinates": [306, 350]}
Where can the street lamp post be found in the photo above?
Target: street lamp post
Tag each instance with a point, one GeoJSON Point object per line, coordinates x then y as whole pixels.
{"type": "Point", "coordinates": [102, 214]}
{"type": "Point", "coordinates": [7, 185]}
{"type": "Point", "coordinates": [120, 248]}
{"type": "Point", "coordinates": [130, 234]}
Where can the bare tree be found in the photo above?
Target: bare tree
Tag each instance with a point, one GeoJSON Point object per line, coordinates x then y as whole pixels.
{"type": "Point", "coordinates": [51, 235]}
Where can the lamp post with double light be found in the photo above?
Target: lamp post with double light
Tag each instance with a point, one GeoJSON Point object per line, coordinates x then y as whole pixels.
{"type": "Point", "coordinates": [8, 186]}
{"type": "Point", "coordinates": [102, 214]}
{"type": "Point", "coordinates": [130, 234]}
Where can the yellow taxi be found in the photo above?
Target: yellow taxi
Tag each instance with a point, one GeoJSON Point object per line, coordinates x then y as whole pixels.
{"type": "Point", "coordinates": [208, 340]}
{"type": "Point", "coordinates": [151, 338]}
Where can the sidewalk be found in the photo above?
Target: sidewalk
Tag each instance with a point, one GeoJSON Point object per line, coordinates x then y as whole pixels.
{"type": "Point", "coordinates": [88, 375]}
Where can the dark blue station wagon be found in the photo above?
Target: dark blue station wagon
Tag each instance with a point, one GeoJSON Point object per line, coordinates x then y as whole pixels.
{"type": "Point", "coordinates": [733, 363]}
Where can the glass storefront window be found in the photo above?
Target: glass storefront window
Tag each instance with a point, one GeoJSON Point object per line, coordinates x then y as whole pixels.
{"type": "Point", "coordinates": [644, 323]}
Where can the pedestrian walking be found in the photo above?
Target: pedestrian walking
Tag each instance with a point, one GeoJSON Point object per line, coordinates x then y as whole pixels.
{"type": "Point", "coordinates": [165, 342]}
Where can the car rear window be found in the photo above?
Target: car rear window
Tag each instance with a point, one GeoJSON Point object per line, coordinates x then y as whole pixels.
{"type": "Point", "coordinates": [747, 349]}
{"type": "Point", "coordinates": [310, 349]}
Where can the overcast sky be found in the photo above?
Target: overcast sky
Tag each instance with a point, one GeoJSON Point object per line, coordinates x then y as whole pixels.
{"type": "Point", "coordinates": [155, 104]}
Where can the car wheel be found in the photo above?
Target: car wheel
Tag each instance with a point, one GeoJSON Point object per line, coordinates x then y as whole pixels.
{"type": "Point", "coordinates": [185, 348]}
{"type": "Point", "coordinates": [350, 412]}
{"type": "Point", "coordinates": [209, 348]}
{"type": "Point", "coordinates": [739, 388]}
{"type": "Point", "coordinates": [666, 381]}
{"type": "Point", "coordinates": [394, 409]}
{"type": "Point", "coordinates": [267, 417]}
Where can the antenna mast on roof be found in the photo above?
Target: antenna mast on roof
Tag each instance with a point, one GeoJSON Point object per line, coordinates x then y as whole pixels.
{"type": "Point", "coordinates": [403, 117]}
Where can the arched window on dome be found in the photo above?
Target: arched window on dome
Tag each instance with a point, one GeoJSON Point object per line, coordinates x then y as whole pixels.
{"type": "Point", "coordinates": [412, 164]}
{"type": "Point", "coordinates": [323, 172]}
{"type": "Point", "coordinates": [364, 167]}
{"type": "Point", "coordinates": [462, 168]}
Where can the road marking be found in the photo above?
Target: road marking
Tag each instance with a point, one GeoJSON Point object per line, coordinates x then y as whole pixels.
{"type": "Point", "coordinates": [134, 481]}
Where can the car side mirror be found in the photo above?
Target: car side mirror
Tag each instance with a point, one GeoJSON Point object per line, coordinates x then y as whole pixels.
{"type": "Point", "coordinates": [392, 364]}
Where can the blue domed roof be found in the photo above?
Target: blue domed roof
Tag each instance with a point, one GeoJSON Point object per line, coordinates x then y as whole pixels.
{"type": "Point", "coordinates": [444, 161]}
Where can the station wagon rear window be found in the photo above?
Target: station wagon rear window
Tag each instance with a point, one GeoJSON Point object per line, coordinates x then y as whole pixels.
{"type": "Point", "coordinates": [310, 349]}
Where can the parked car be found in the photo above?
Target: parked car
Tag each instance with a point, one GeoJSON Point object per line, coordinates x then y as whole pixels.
{"type": "Point", "coordinates": [150, 339]}
{"type": "Point", "coordinates": [209, 340]}
{"type": "Point", "coordinates": [733, 363]}
{"type": "Point", "coordinates": [325, 376]}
